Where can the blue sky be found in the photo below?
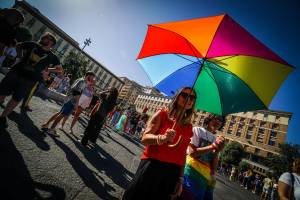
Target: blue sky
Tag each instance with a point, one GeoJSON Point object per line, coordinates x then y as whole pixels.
{"type": "Point", "coordinates": [118, 27]}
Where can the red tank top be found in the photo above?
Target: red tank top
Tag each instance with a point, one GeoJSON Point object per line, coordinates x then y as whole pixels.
{"type": "Point", "coordinates": [164, 153]}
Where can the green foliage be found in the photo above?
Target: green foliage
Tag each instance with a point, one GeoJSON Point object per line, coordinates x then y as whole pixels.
{"type": "Point", "coordinates": [75, 65]}
{"type": "Point", "coordinates": [232, 153]}
{"type": "Point", "coordinates": [279, 164]}
{"type": "Point", "coordinates": [243, 166]}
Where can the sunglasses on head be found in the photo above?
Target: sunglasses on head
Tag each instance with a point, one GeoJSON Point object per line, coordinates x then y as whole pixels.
{"type": "Point", "coordinates": [186, 95]}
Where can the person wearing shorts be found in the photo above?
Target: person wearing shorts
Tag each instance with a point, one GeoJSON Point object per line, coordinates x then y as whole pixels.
{"type": "Point", "coordinates": [22, 77]}
{"type": "Point", "coordinates": [68, 107]}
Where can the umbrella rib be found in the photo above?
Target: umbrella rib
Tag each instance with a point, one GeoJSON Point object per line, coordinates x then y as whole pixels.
{"type": "Point", "coordinates": [219, 61]}
{"type": "Point", "coordinates": [239, 79]}
{"type": "Point", "coordinates": [186, 58]}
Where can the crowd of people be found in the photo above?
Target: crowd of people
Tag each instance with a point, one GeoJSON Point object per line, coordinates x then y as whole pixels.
{"type": "Point", "coordinates": [179, 161]}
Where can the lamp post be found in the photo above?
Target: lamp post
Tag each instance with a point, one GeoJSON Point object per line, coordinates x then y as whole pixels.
{"type": "Point", "coordinates": [87, 42]}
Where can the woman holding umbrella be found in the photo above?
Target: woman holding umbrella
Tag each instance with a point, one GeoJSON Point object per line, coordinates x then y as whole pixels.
{"type": "Point", "coordinates": [161, 167]}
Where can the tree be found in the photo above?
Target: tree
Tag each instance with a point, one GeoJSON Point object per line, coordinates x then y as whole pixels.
{"type": "Point", "coordinates": [75, 65]}
{"type": "Point", "coordinates": [23, 34]}
{"type": "Point", "coordinates": [243, 166]}
{"type": "Point", "coordinates": [281, 163]}
{"type": "Point", "coordinates": [232, 153]}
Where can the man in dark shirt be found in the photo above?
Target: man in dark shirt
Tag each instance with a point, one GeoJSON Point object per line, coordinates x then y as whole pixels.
{"type": "Point", "coordinates": [22, 77]}
{"type": "Point", "coordinates": [10, 19]}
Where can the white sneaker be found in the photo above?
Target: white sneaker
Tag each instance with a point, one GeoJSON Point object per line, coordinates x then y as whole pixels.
{"type": "Point", "coordinates": [53, 132]}
{"type": "Point", "coordinates": [61, 128]}
{"type": "Point", "coordinates": [44, 126]}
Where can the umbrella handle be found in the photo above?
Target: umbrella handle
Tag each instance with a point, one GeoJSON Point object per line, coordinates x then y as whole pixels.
{"type": "Point", "coordinates": [178, 142]}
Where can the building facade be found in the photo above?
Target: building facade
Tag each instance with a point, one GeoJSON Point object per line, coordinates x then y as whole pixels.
{"type": "Point", "coordinates": [38, 24]}
{"type": "Point", "coordinates": [259, 132]}
{"type": "Point", "coordinates": [151, 102]}
{"type": "Point", "coordinates": [130, 91]}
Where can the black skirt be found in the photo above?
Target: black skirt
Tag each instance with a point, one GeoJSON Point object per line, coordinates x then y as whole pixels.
{"type": "Point", "coordinates": [153, 180]}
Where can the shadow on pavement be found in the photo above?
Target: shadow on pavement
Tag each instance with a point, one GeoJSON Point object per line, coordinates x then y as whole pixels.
{"type": "Point", "coordinates": [113, 169]}
{"type": "Point", "coordinates": [28, 128]}
{"type": "Point", "coordinates": [15, 180]}
{"type": "Point", "coordinates": [108, 135]}
{"type": "Point", "coordinates": [87, 175]}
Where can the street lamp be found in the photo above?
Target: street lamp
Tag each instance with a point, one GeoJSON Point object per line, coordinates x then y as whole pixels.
{"type": "Point", "coordinates": [87, 42]}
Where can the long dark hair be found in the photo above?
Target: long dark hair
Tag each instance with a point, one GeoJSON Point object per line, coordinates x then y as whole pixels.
{"type": "Point", "coordinates": [187, 115]}
{"type": "Point", "coordinates": [111, 99]}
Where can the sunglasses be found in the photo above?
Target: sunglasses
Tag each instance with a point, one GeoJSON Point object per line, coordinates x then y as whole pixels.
{"type": "Point", "coordinates": [186, 95]}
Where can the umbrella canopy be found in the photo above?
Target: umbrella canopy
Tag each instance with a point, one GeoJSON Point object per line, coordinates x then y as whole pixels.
{"type": "Point", "coordinates": [230, 70]}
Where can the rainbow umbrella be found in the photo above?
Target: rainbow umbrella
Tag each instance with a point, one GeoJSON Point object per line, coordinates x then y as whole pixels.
{"type": "Point", "coordinates": [230, 70]}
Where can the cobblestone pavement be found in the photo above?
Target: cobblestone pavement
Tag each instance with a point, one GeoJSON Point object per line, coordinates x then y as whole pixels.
{"type": "Point", "coordinates": [35, 165]}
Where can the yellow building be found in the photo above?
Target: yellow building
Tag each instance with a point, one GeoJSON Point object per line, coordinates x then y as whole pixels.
{"type": "Point", "coordinates": [130, 91]}
{"type": "Point", "coordinates": [260, 133]}
{"type": "Point", "coordinates": [38, 24]}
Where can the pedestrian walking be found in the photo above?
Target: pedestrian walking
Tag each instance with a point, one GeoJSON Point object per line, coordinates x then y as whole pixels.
{"type": "Point", "coordinates": [97, 120]}
{"type": "Point", "coordinates": [115, 116]}
{"type": "Point", "coordinates": [84, 101]}
{"type": "Point", "coordinates": [160, 171]}
{"type": "Point", "coordinates": [202, 160]}
{"type": "Point", "coordinates": [120, 126]}
{"type": "Point", "coordinates": [141, 125]}
{"type": "Point", "coordinates": [20, 80]}
{"type": "Point", "coordinates": [70, 104]}
{"type": "Point", "coordinates": [267, 188]}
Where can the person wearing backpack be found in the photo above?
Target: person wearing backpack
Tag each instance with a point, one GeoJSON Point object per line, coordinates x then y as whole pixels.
{"type": "Point", "coordinates": [289, 183]}
{"type": "Point", "coordinates": [71, 104]}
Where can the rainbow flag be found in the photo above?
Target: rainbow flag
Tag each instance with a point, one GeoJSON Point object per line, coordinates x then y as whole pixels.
{"type": "Point", "coordinates": [199, 180]}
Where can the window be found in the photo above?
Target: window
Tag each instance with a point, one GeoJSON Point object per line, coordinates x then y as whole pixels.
{"type": "Point", "coordinates": [233, 119]}
{"type": "Point", "coordinates": [263, 124]}
{"type": "Point", "coordinates": [249, 134]}
{"type": "Point", "coordinates": [230, 129]}
{"type": "Point", "coordinates": [24, 12]}
{"type": "Point", "coordinates": [269, 154]}
{"type": "Point", "coordinates": [272, 138]}
{"type": "Point", "coordinates": [275, 126]}
{"type": "Point", "coordinates": [260, 135]}
{"type": "Point", "coordinates": [239, 131]}
{"type": "Point", "coordinates": [256, 150]}
{"type": "Point", "coordinates": [58, 43]}
{"type": "Point", "coordinates": [31, 22]}
{"type": "Point", "coordinates": [242, 121]}
{"type": "Point", "coordinates": [39, 33]}
{"type": "Point", "coordinates": [64, 49]}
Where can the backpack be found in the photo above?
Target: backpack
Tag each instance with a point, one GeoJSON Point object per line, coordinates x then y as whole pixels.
{"type": "Point", "coordinates": [292, 197]}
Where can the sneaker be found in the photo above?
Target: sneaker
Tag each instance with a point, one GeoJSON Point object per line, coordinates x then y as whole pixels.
{"type": "Point", "coordinates": [61, 128]}
{"type": "Point", "coordinates": [3, 122]}
{"type": "Point", "coordinates": [53, 132]}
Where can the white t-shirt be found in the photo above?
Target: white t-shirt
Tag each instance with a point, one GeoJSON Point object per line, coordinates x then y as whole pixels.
{"type": "Point", "coordinates": [86, 97]}
{"type": "Point", "coordinates": [201, 138]}
{"type": "Point", "coordinates": [287, 179]}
